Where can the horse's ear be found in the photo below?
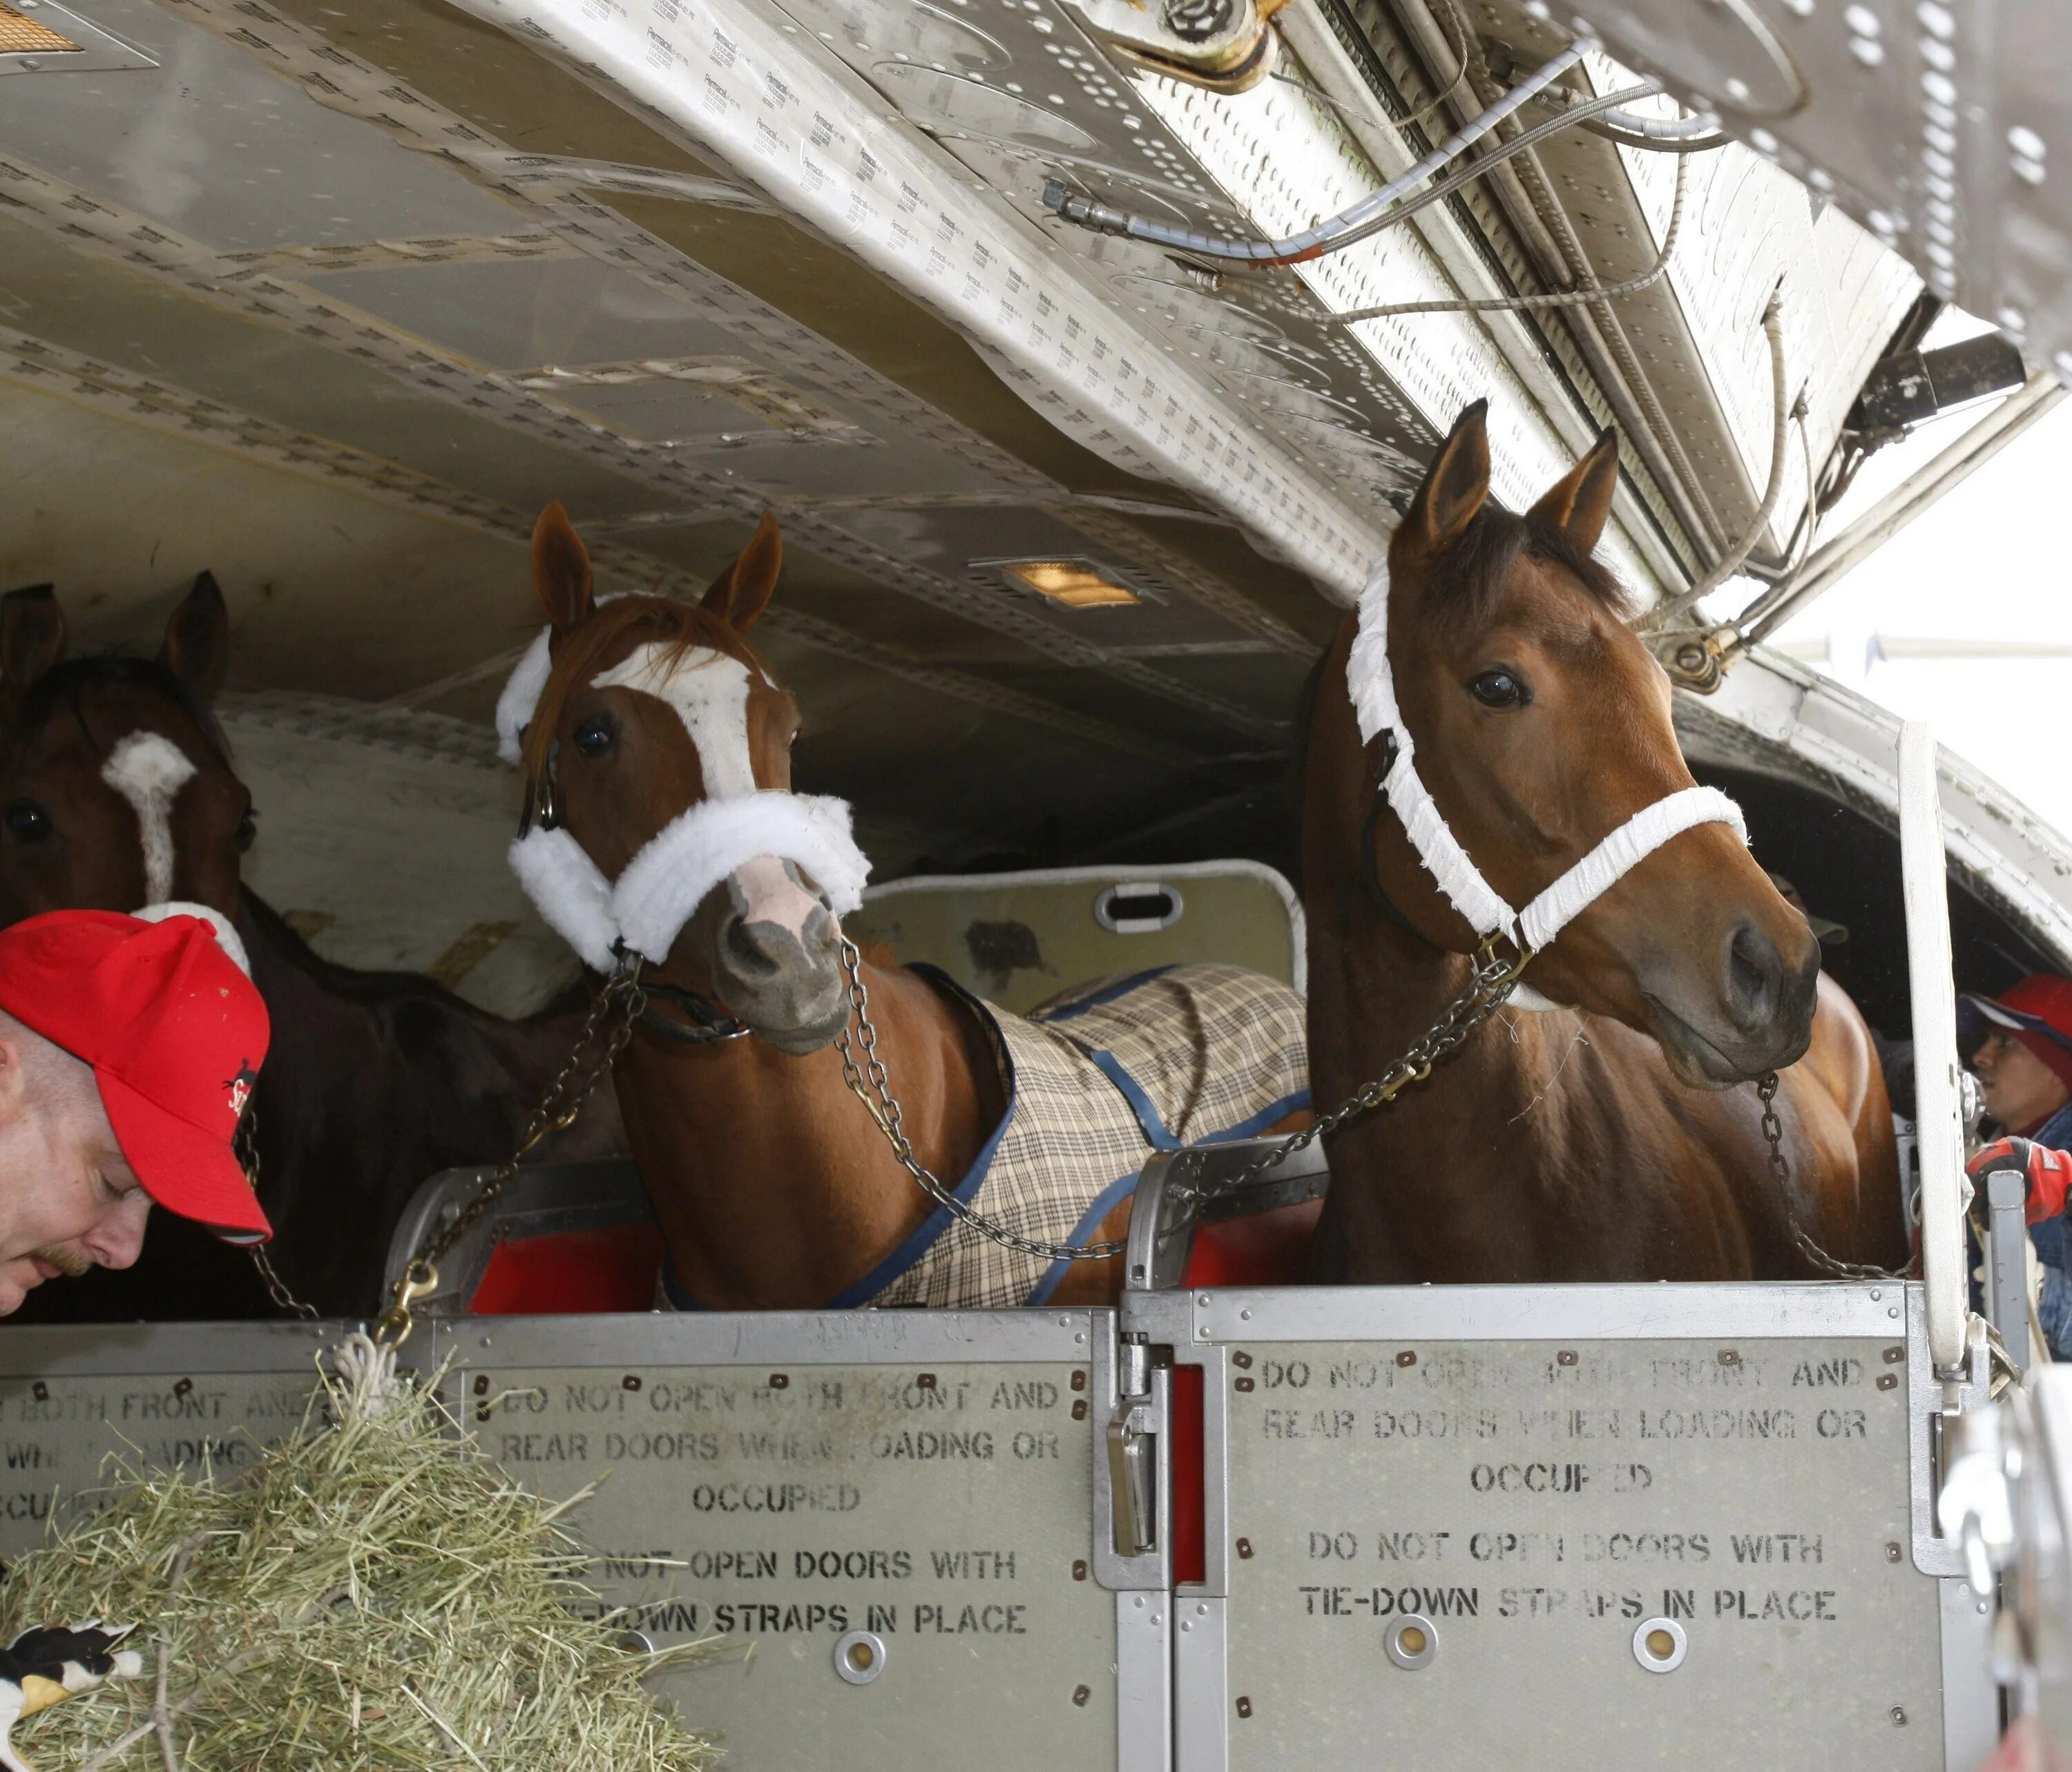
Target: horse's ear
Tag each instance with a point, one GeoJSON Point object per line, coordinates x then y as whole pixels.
{"type": "Point", "coordinates": [196, 648]}
{"type": "Point", "coordinates": [32, 637]}
{"type": "Point", "coordinates": [1454, 489]}
{"type": "Point", "coordinates": [561, 569]}
{"type": "Point", "coordinates": [1579, 503]}
{"type": "Point", "coordinates": [739, 594]}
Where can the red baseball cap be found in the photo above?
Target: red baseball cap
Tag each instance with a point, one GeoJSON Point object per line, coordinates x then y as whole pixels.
{"type": "Point", "coordinates": [2037, 1012]}
{"type": "Point", "coordinates": [175, 1033]}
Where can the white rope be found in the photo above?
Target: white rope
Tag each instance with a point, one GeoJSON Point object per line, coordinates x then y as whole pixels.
{"type": "Point", "coordinates": [367, 1371]}
{"type": "Point", "coordinates": [1371, 684]}
{"type": "Point", "coordinates": [665, 883]}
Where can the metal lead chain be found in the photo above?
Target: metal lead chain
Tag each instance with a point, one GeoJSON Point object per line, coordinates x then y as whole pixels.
{"type": "Point", "coordinates": [245, 1147]}
{"type": "Point", "coordinates": [1487, 988]}
{"type": "Point", "coordinates": [559, 1105]}
{"type": "Point", "coordinates": [884, 1110]}
{"type": "Point", "coordinates": [1780, 1173]}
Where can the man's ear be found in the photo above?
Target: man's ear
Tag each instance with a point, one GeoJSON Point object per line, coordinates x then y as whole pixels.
{"type": "Point", "coordinates": [14, 1085]}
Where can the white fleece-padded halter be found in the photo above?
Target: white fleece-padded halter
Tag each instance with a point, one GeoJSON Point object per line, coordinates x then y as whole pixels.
{"type": "Point", "coordinates": [1373, 688]}
{"type": "Point", "coordinates": [647, 907]}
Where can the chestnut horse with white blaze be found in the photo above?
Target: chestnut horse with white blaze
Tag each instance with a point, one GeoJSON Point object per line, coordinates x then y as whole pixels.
{"type": "Point", "coordinates": [1600, 1136]}
{"type": "Point", "coordinates": [661, 823]}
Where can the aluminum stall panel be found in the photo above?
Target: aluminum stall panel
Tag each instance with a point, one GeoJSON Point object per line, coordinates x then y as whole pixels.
{"type": "Point", "coordinates": [1572, 1527]}
{"type": "Point", "coordinates": [887, 1516]}
{"type": "Point", "coordinates": [162, 1396]}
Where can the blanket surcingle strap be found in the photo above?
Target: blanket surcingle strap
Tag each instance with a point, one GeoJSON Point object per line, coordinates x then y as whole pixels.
{"type": "Point", "coordinates": [1095, 1080]}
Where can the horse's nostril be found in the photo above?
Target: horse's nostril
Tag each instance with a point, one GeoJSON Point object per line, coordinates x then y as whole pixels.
{"type": "Point", "coordinates": [745, 951]}
{"type": "Point", "coordinates": [1753, 968]}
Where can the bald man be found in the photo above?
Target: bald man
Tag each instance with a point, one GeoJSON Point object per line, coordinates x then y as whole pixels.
{"type": "Point", "coordinates": [128, 1052]}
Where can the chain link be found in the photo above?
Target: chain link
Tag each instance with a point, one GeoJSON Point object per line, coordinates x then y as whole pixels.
{"type": "Point", "coordinates": [559, 1105]}
{"type": "Point", "coordinates": [1780, 1173]}
{"type": "Point", "coordinates": [245, 1146]}
{"type": "Point", "coordinates": [1487, 988]}
{"type": "Point", "coordinates": [884, 1110]}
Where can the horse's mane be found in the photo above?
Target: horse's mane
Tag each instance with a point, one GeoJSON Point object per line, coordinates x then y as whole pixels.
{"type": "Point", "coordinates": [685, 627]}
{"type": "Point", "coordinates": [63, 687]}
{"type": "Point", "coordinates": [1468, 581]}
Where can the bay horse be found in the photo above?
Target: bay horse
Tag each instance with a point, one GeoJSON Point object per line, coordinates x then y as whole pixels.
{"type": "Point", "coordinates": [117, 789]}
{"type": "Point", "coordinates": [1604, 1137]}
{"type": "Point", "coordinates": [656, 745]}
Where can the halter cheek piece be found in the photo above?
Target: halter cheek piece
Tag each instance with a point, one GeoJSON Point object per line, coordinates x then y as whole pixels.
{"type": "Point", "coordinates": [1372, 686]}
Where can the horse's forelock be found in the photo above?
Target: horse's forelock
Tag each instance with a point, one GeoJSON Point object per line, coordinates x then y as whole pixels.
{"type": "Point", "coordinates": [1466, 585]}
{"type": "Point", "coordinates": [63, 690]}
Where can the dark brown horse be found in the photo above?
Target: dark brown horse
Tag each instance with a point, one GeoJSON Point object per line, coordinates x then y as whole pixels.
{"type": "Point", "coordinates": [773, 1184]}
{"type": "Point", "coordinates": [116, 789]}
{"type": "Point", "coordinates": [1605, 1138]}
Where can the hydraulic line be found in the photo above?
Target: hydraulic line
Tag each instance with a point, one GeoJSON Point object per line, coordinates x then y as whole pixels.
{"type": "Point", "coordinates": [1558, 298]}
{"type": "Point", "coordinates": [1698, 133]}
{"type": "Point", "coordinates": [1729, 562]}
{"type": "Point", "coordinates": [1341, 229]}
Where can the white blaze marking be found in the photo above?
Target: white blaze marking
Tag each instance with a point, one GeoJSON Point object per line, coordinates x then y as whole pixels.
{"type": "Point", "coordinates": [149, 771]}
{"type": "Point", "coordinates": [709, 692]}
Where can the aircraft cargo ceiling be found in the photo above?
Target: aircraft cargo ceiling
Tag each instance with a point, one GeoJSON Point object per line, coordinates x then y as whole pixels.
{"type": "Point", "coordinates": [329, 301]}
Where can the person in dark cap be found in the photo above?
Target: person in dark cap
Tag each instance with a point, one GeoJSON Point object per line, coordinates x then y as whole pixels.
{"type": "Point", "coordinates": [2024, 1065]}
{"type": "Point", "coordinates": [128, 1052]}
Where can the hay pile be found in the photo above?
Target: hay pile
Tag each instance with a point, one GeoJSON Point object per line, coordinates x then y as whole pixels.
{"type": "Point", "coordinates": [370, 1597]}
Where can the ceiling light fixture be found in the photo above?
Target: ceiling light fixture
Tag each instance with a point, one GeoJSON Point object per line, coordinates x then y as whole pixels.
{"type": "Point", "coordinates": [1077, 583]}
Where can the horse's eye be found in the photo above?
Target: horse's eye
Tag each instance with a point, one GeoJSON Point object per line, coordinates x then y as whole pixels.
{"type": "Point", "coordinates": [595, 736]}
{"type": "Point", "coordinates": [28, 820]}
{"type": "Point", "coordinates": [1500, 688]}
{"type": "Point", "coordinates": [247, 829]}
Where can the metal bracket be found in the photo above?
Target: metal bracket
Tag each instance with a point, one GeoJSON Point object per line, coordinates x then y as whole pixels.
{"type": "Point", "coordinates": [1224, 45]}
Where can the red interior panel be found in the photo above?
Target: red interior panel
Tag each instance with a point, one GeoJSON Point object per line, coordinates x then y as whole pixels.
{"type": "Point", "coordinates": [614, 1268]}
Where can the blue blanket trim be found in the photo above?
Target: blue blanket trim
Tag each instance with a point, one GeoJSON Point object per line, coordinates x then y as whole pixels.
{"type": "Point", "coordinates": [1112, 1196]}
{"type": "Point", "coordinates": [1122, 987]}
{"type": "Point", "coordinates": [862, 1291]}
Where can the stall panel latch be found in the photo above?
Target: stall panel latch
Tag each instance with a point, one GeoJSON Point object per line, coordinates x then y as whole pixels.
{"type": "Point", "coordinates": [1132, 1453]}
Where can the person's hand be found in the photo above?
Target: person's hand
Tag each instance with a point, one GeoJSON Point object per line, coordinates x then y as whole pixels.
{"type": "Point", "coordinates": [2046, 1173]}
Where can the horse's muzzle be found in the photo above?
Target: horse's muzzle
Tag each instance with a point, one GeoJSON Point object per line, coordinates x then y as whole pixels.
{"type": "Point", "coordinates": [778, 965]}
{"type": "Point", "coordinates": [1759, 1016]}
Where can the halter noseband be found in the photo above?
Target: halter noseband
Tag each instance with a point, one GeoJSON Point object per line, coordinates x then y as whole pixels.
{"type": "Point", "coordinates": [1371, 685]}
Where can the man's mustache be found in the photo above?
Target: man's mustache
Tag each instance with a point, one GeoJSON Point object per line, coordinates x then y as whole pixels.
{"type": "Point", "coordinates": [69, 1261]}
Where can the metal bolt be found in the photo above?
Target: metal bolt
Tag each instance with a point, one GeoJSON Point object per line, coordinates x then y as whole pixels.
{"type": "Point", "coordinates": [1729, 1357]}
{"type": "Point", "coordinates": [482, 1384]}
{"type": "Point", "coordinates": [1565, 1357]}
{"type": "Point", "coordinates": [1898, 1715]}
{"type": "Point", "coordinates": [1245, 1549]}
{"type": "Point", "coordinates": [40, 1391]}
{"type": "Point", "coordinates": [1408, 1357]}
{"type": "Point", "coordinates": [1079, 1380]}
{"type": "Point", "coordinates": [631, 1381]}
{"type": "Point", "coordinates": [1892, 1552]}
{"type": "Point", "coordinates": [1080, 1695]}
{"type": "Point", "coordinates": [1245, 1707]}
{"type": "Point", "coordinates": [779, 1381]}
{"type": "Point", "coordinates": [1079, 1570]}
{"type": "Point", "coordinates": [1244, 1384]}
{"type": "Point", "coordinates": [926, 1381]}
{"type": "Point", "coordinates": [1196, 21]}
{"type": "Point", "coordinates": [1241, 1360]}
{"type": "Point", "coordinates": [1888, 1381]}
{"type": "Point", "coordinates": [1894, 1355]}
{"type": "Point", "coordinates": [185, 1386]}
{"type": "Point", "coordinates": [1079, 1408]}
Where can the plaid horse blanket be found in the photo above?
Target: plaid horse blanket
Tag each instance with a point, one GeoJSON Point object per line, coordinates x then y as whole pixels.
{"type": "Point", "coordinates": [1096, 1079]}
